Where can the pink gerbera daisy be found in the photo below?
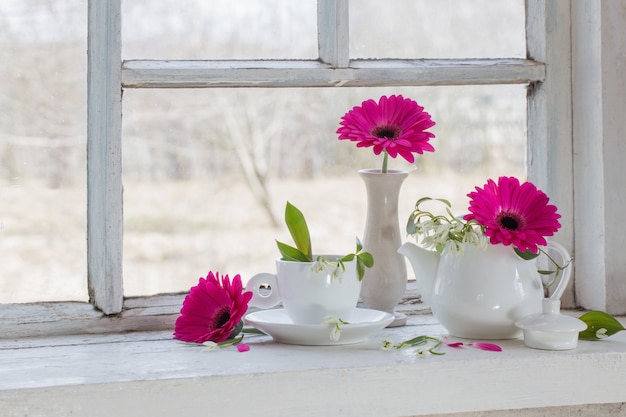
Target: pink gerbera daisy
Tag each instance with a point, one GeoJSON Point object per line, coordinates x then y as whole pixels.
{"type": "Point", "coordinates": [513, 213]}
{"type": "Point", "coordinates": [212, 309]}
{"type": "Point", "coordinates": [395, 126]}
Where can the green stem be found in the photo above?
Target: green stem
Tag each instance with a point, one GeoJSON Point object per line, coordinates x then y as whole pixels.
{"type": "Point", "coordinates": [555, 263]}
{"type": "Point", "coordinates": [385, 159]}
{"type": "Point", "coordinates": [559, 270]}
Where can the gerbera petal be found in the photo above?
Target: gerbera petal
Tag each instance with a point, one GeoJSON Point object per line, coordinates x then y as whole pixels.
{"type": "Point", "coordinates": [371, 112]}
{"type": "Point", "coordinates": [391, 149]}
{"type": "Point", "coordinates": [452, 344]}
{"type": "Point", "coordinates": [377, 149]}
{"type": "Point", "coordinates": [406, 154]}
{"type": "Point", "coordinates": [486, 346]}
{"type": "Point", "coordinates": [243, 347]}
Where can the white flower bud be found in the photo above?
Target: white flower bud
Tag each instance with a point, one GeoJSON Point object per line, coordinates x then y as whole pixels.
{"type": "Point", "coordinates": [601, 334]}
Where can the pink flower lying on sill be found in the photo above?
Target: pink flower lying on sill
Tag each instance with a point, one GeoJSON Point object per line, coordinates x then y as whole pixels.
{"type": "Point", "coordinates": [213, 310]}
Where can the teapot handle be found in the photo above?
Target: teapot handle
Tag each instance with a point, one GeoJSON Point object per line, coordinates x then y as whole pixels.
{"type": "Point", "coordinates": [565, 274]}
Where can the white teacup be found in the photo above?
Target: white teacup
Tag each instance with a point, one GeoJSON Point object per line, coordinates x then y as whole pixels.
{"type": "Point", "coordinates": [308, 294]}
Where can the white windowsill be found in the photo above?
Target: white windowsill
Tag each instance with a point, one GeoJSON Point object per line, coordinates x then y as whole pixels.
{"type": "Point", "coordinates": [150, 374]}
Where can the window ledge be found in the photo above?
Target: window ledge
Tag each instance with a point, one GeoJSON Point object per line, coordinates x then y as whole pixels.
{"type": "Point", "coordinates": [151, 374]}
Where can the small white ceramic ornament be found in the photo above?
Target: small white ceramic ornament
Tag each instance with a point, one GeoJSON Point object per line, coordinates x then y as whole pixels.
{"type": "Point", "coordinates": [551, 330]}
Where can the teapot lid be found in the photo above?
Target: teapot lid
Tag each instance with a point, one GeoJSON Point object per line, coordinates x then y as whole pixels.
{"type": "Point", "coordinates": [551, 330]}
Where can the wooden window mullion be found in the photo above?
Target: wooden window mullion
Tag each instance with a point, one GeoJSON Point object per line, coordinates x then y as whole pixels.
{"type": "Point", "coordinates": [104, 156]}
{"type": "Point", "coordinates": [333, 32]}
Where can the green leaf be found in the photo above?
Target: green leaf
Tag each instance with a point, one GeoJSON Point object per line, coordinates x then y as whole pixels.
{"type": "Point", "coordinates": [236, 330]}
{"type": "Point", "coordinates": [410, 225]}
{"type": "Point", "coordinates": [527, 255]}
{"type": "Point", "coordinates": [599, 325]}
{"type": "Point", "coordinates": [347, 258]}
{"type": "Point", "coordinates": [299, 230]}
{"type": "Point", "coordinates": [251, 330]}
{"type": "Point", "coordinates": [363, 260]}
{"type": "Point", "coordinates": [289, 253]}
{"type": "Point", "coordinates": [359, 245]}
{"type": "Point", "coordinates": [366, 258]}
{"type": "Point", "coordinates": [416, 341]}
{"type": "Point", "coordinates": [360, 269]}
{"type": "Point", "coordinates": [545, 272]}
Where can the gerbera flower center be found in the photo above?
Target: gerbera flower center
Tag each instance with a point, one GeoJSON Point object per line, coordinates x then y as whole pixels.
{"type": "Point", "coordinates": [221, 317]}
{"type": "Point", "coordinates": [510, 221]}
{"type": "Point", "coordinates": [391, 132]}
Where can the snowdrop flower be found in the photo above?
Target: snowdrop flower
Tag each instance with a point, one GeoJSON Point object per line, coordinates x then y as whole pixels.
{"type": "Point", "coordinates": [601, 334]}
{"type": "Point", "coordinates": [388, 345]}
{"type": "Point", "coordinates": [335, 322]}
{"type": "Point", "coordinates": [333, 269]}
{"type": "Point", "coordinates": [210, 346]}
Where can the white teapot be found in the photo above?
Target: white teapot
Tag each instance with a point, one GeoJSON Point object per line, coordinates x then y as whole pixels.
{"type": "Point", "coordinates": [479, 294]}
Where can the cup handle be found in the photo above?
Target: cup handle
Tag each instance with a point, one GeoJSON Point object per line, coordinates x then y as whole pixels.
{"type": "Point", "coordinates": [259, 299]}
{"type": "Point", "coordinates": [566, 273]}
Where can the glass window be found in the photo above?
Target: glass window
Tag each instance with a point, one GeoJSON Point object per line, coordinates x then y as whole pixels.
{"type": "Point", "coordinates": [219, 29]}
{"type": "Point", "coordinates": [42, 151]}
{"type": "Point", "coordinates": [207, 172]}
{"type": "Point", "coordinates": [437, 29]}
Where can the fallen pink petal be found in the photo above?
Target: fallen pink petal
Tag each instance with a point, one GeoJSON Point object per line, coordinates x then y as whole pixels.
{"type": "Point", "coordinates": [487, 346]}
{"type": "Point", "coordinates": [243, 347]}
{"type": "Point", "coordinates": [452, 344]}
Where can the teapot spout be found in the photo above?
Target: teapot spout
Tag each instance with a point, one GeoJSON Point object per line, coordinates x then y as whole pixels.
{"type": "Point", "coordinates": [424, 263]}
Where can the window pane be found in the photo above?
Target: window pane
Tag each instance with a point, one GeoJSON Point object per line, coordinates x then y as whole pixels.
{"type": "Point", "coordinates": [42, 150]}
{"type": "Point", "coordinates": [437, 29]}
{"type": "Point", "coordinates": [190, 207]}
{"type": "Point", "coordinates": [219, 29]}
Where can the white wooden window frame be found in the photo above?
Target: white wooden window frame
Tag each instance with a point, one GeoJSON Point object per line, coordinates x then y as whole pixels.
{"type": "Point", "coordinates": [553, 163]}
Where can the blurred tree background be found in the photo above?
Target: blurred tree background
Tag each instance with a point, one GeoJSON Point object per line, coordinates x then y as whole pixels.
{"type": "Point", "coordinates": [207, 171]}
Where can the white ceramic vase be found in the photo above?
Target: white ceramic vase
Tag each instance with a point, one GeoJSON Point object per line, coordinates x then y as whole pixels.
{"type": "Point", "coordinates": [385, 283]}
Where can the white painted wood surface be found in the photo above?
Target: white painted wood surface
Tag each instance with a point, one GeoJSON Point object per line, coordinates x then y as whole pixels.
{"type": "Point", "coordinates": [550, 115]}
{"type": "Point", "coordinates": [140, 313]}
{"type": "Point", "coordinates": [599, 109]}
{"type": "Point", "coordinates": [54, 319]}
{"type": "Point", "coordinates": [614, 148]}
{"type": "Point", "coordinates": [333, 32]}
{"type": "Point", "coordinates": [360, 73]}
{"type": "Point", "coordinates": [104, 156]}
{"type": "Point", "coordinates": [148, 374]}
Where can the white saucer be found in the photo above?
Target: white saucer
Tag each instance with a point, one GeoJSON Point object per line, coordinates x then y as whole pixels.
{"type": "Point", "coordinates": [361, 323]}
